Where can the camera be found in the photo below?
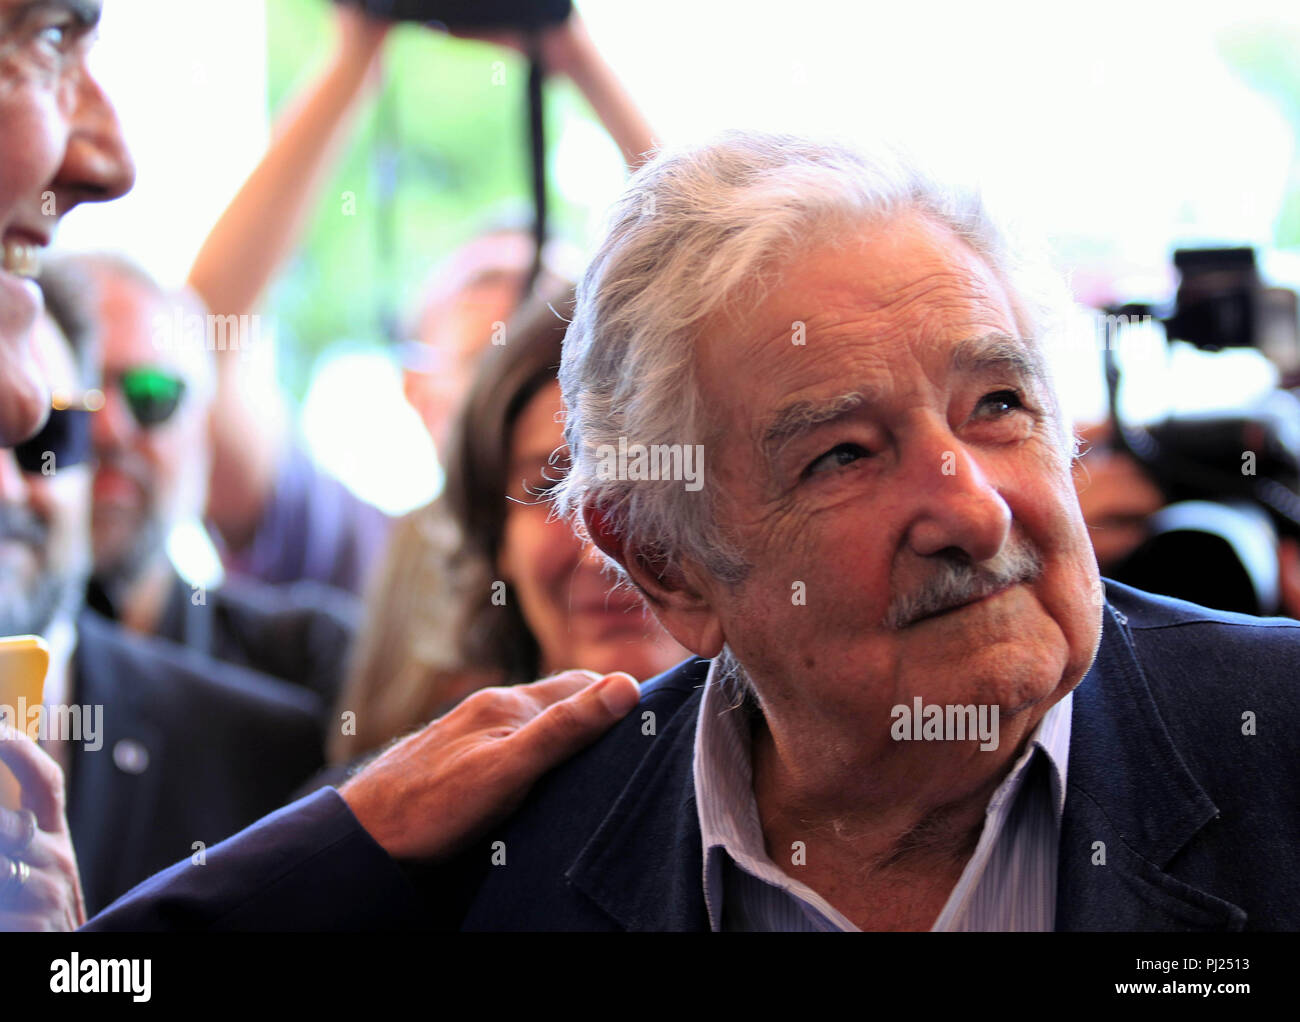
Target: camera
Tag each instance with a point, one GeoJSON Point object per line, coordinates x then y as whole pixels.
{"type": "Point", "coordinates": [1232, 479]}
{"type": "Point", "coordinates": [470, 14]}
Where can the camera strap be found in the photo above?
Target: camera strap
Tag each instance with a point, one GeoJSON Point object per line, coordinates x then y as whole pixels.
{"type": "Point", "coordinates": [537, 150]}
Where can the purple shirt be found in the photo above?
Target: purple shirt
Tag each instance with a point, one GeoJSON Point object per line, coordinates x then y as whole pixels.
{"type": "Point", "coordinates": [313, 527]}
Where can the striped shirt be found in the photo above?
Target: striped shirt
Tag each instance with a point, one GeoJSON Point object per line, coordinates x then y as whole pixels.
{"type": "Point", "coordinates": [1009, 882]}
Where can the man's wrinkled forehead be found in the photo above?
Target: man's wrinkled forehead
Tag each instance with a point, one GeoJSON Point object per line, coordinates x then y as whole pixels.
{"type": "Point", "coordinates": [14, 12]}
{"type": "Point", "coordinates": [914, 286]}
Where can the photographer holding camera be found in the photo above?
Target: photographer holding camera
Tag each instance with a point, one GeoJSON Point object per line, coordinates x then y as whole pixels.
{"type": "Point", "coordinates": [1205, 507]}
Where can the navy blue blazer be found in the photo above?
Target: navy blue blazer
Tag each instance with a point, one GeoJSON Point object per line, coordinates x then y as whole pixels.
{"type": "Point", "coordinates": [1199, 821]}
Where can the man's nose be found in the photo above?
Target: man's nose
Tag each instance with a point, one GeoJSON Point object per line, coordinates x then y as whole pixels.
{"type": "Point", "coordinates": [111, 427]}
{"type": "Point", "coordinates": [97, 165]}
{"type": "Point", "coordinates": [13, 483]}
{"type": "Point", "coordinates": [958, 507]}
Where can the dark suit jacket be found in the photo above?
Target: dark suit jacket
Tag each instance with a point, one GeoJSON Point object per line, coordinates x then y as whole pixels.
{"type": "Point", "coordinates": [299, 632]}
{"type": "Point", "coordinates": [191, 750]}
{"type": "Point", "coordinates": [1199, 822]}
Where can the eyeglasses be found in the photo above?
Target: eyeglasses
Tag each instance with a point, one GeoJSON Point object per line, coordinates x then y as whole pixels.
{"type": "Point", "coordinates": [152, 394]}
{"type": "Point", "coordinates": [64, 441]}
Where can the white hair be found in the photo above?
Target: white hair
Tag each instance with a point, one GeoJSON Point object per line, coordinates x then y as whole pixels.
{"type": "Point", "coordinates": [700, 230]}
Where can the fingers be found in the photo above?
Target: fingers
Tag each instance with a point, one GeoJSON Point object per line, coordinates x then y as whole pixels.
{"type": "Point", "coordinates": [39, 852]}
{"type": "Point", "coordinates": [17, 831]}
{"type": "Point", "coordinates": [37, 774]}
{"type": "Point", "coordinates": [560, 686]}
{"type": "Point", "coordinates": [570, 724]}
{"type": "Point", "coordinates": [41, 903]}
{"type": "Point", "coordinates": [504, 708]}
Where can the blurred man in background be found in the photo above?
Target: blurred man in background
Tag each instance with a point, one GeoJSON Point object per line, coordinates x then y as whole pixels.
{"type": "Point", "coordinates": [153, 452]}
{"type": "Point", "coordinates": [1246, 560]}
{"type": "Point", "coordinates": [169, 747]}
{"type": "Point", "coordinates": [1115, 495]}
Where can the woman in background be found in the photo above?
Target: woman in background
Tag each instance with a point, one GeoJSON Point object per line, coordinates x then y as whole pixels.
{"type": "Point", "coordinates": [482, 587]}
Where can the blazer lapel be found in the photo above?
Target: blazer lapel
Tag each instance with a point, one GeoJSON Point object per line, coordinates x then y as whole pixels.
{"type": "Point", "coordinates": [644, 865]}
{"type": "Point", "coordinates": [1131, 805]}
{"type": "Point", "coordinates": [113, 790]}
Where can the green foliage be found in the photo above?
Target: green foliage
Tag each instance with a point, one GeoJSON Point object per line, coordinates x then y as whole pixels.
{"type": "Point", "coordinates": [440, 153]}
{"type": "Point", "coordinates": [1263, 55]}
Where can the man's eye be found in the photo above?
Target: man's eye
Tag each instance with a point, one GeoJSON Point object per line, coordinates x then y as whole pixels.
{"type": "Point", "coordinates": [999, 402]}
{"type": "Point", "coordinates": [60, 36]}
{"type": "Point", "coordinates": [837, 457]}
{"type": "Point", "coordinates": [49, 45]}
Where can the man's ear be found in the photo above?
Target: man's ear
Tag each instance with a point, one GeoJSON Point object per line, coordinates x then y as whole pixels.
{"type": "Point", "coordinates": [680, 596]}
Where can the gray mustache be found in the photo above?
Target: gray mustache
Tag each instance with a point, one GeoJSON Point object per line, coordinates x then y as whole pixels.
{"type": "Point", "coordinates": [956, 582]}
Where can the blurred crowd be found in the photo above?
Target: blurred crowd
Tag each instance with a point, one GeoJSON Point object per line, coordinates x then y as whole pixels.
{"type": "Point", "coordinates": [336, 628]}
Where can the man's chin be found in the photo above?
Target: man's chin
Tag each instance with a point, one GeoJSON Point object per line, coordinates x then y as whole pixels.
{"type": "Point", "coordinates": [116, 541]}
{"type": "Point", "coordinates": [1017, 673]}
{"type": "Point", "coordinates": [24, 395]}
{"type": "Point", "coordinates": [121, 559]}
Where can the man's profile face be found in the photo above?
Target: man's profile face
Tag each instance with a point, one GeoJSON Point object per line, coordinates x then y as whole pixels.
{"type": "Point", "coordinates": [44, 518]}
{"type": "Point", "coordinates": [147, 476]}
{"type": "Point", "coordinates": [908, 434]}
{"type": "Point", "coordinates": [60, 145]}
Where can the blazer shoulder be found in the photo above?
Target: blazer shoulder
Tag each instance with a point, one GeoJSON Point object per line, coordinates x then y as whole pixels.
{"type": "Point", "coordinates": [1144, 611]}
{"type": "Point", "coordinates": [1195, 655]}
{"type": "Point", "coordinates": [597, 775]}
{"type": "Point", "coordinates": [1226, 689]}
{"type": "Point", "coordinates": [647, 753]}
{"type": "Point", "coordinates": [681, 680]}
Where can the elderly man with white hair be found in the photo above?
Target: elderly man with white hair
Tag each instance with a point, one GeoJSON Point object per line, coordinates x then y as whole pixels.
{"type": "Point", "coordinates": [917, 705]}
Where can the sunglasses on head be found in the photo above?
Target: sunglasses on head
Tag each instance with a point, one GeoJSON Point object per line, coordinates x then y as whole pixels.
{"type": "Point", "coordinates": [64, 441]}
{"type": "Point", "coordinates": [152, 394]}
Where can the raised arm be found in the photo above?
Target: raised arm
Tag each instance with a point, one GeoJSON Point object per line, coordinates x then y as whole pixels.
{"type": "Point", "coordinates": [329, 862]}
{"type": "Point", "coordinates": [246, 249]}
{"type": "Point", "coordinates": [262, 225]}
{"type": "Point", "coordinates": [568, 49]}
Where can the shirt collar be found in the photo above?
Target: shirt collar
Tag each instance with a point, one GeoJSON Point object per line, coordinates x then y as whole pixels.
{"type": "Point", "coordinates": [728, 811]}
